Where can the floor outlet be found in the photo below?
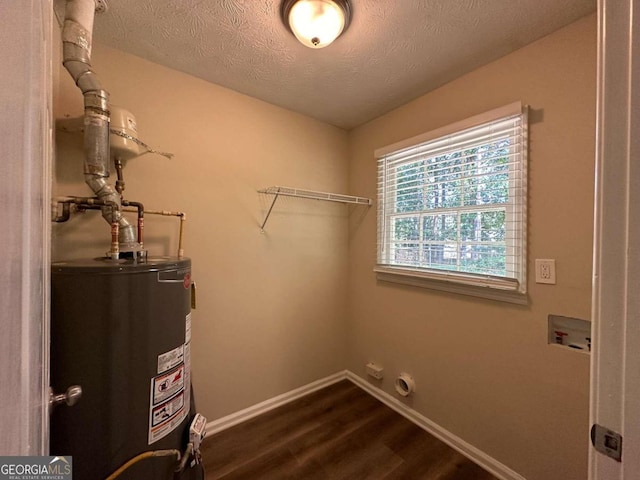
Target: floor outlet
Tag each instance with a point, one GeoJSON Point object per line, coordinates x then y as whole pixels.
{"type": "Point", "coordinates": [374, 370]}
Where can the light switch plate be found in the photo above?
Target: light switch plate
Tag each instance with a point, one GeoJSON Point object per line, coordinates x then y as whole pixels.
{"type": "Point", "coordinates": [546, 271]}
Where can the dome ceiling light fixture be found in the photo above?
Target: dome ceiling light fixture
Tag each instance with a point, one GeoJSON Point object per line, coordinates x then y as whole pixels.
{"type": "Point", "coordinates": [316, 23]}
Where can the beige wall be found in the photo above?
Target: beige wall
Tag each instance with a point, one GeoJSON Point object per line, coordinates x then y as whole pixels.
{"type": "Point", "coordinates": [271, 307]}
{"type": "Point", "coordinates": [483, 369]}
{"type": "Point", "coordinates": [300, 302]}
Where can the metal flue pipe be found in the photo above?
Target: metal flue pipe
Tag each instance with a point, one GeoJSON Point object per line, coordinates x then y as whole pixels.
{"type": "Point", "coordinates": [76, 38]}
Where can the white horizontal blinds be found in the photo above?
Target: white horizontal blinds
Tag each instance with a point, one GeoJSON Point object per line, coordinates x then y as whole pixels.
{"type": "Point", "coordinates": [455, 203]}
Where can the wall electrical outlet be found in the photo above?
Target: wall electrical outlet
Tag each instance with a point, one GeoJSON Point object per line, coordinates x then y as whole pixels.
{"type": "Point", "coordinates": [546, 271]}
{"type": "Point", "coordinates": [374, 370]}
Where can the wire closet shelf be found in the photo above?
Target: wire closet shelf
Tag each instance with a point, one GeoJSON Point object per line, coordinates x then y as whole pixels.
{"type": "Point", "coordinates": [277, 191]}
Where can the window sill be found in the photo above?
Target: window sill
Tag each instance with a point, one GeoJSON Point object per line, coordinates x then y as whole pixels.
{"type": "Point", "coordinates": [450, 285]}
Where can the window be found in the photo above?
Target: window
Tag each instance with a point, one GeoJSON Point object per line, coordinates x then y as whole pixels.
{"type": "Point", "coordinates": [452, 203]}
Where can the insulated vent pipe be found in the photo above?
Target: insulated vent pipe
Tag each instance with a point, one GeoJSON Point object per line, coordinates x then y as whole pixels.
{"type": "Point", "coordinates": [76, 38]}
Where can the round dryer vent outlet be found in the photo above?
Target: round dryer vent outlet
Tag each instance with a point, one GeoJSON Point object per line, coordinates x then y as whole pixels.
{"type": "Point", "coordinates": [405, 385]}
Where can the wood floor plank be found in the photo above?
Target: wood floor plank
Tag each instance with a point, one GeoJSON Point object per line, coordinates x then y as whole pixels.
{"type": "Point", "coordinates": [339, 432]}
{"type": "Point", "coordinates": [280, 426]}
{"type": "Point", "coordinates": [347, 450]}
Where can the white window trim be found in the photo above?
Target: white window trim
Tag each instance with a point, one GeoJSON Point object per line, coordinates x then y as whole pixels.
{"type": "Point", "coordinates": [492, 288]}
{"type": "Point", "coordinates": [514, 108]}
{"type": "Point", "coordinates": [462, 286]}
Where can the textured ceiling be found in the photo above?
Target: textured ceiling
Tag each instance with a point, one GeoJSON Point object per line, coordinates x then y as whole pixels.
{"type": "Point", "coordinates": [393, 51]}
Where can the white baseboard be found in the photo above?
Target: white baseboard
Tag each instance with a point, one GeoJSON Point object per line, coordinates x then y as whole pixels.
{"type": "Point", "coordinates": [229, 421]}
{"type": "Point", "coordinates": [487, 462]}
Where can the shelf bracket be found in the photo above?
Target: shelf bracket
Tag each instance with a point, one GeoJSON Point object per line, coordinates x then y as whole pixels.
{"type": "Point", "coordinates": [276, 195]}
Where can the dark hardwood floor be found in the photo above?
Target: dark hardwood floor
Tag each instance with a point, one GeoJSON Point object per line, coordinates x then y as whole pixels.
{"type": "Point", "coordinates": [340, 432]}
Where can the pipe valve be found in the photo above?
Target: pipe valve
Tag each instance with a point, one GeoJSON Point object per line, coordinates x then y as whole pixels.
{"type": "Point", "coordinates": [70, 397]}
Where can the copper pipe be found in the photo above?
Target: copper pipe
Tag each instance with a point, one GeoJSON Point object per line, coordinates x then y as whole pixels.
{"type": "Point", "coordinates": [115, 245]}
{"type": "Point", "coordinates": [140, 209]}
{"type": "Point", "coordinates": [92, 203]}
{"type": "Point", "coordinates": [120, 177]}
{"type": "Point", "coordinates": [183, 219]}
{"type": "Point", "coordinates": [66, 213]}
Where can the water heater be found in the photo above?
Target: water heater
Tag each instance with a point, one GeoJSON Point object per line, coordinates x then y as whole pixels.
{"type": "Point", "coordinates": [121, 329]}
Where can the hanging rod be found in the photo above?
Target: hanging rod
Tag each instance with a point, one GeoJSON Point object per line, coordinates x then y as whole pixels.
{"type": "Point", "coordinates": [312, 195]}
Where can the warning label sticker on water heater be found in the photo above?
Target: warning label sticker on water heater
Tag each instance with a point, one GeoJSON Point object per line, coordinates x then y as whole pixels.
{"type": "Point", "coordinates": [164, 418]}
{"type": "Point", "coordinates": [168, 360]}
{"type": "Point", "coordinates": [167, 394]}
{"type": "Point", "coordinates": [167, 385]}
{"type": "Point", "coordinates": [187, 328]}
